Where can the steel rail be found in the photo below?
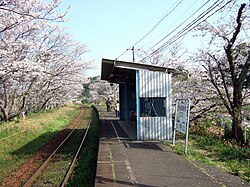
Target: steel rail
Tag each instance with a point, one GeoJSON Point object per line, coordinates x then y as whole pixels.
{"type": "Point", "coordinates": [76, 156]}
{"type": "Point", "coordinates": [41, 168]}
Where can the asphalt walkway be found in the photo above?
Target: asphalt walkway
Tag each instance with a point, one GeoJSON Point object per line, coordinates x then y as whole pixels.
{"type": "Point", "coordinates": [122, 162]}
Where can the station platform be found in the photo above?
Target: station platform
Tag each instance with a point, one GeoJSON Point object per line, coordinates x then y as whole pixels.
{"type": "Point", "coordinates": [125, 162]}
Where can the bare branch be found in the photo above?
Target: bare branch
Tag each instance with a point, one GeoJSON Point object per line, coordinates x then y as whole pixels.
{"type": "Point", "coordinates": [228, 49]}
{"type": "Point", "coordinates": [244, 71]}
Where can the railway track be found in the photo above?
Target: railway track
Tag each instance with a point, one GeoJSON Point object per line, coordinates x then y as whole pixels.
{"type": "Point", "coordinates": [57, 168]}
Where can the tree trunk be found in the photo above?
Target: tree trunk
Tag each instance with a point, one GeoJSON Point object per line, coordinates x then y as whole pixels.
{"type": "Point", "coordinates": [4, 116]}
{"type": "Point", "coordinates": [237, 132]}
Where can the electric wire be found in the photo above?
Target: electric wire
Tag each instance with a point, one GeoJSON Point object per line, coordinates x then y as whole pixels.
{"type": "Point", "coordinates": [153, 28]}
{"type": "Point", "coordinates": [156, 25]}
{"type": "Point", "coordinates": [186, 29]}
{"type": "Point", "coordinates": [158, 50]}
{"type": "Point", "coordinates": [183, 31]}
{"type": "Point", "coordinates": [172, 40]}
{"type": "Point", "coordinates": [182, 23]}
{"type": "Point", "coordinates": [175, 21]}
{"type": "Point", "coordinates": [121, 54]}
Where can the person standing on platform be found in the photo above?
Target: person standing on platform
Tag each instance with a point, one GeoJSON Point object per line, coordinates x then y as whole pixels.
{"type": "Point", "coordinates": [108, 103]}
{"type": "Point", "coordinates": [117, 109]}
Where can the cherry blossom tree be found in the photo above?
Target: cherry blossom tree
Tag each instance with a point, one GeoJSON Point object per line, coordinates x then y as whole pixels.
{"type": "Point", "coordinates": [186, 80]}
{"type": "Point", "coordinates": [221, 81]}
{"type": "Point", "coordinates": [40, 65]}
{"type": "Point", "coordinates": [99, 90]}
{"type": "Point", "coordinates": [226, 61]}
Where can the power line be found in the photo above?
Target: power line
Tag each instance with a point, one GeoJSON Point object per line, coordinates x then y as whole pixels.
{"type": "Point", "coordinates": [184, 12]}
{"type": "Point", "coordinates": [156, 25]}
{"type": "Point", "coordinates": [181, 24]}
{"type": "Point", "coordinates": [179, 34]}
{"type": "Point", "coordinates": [186, 29]}
{"type": "Point", "coordinates": [122, 54]}
{"type": "Point", "coordinates": [165, 15]}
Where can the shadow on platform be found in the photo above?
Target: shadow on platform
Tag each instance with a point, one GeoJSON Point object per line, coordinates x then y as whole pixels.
{"type": "Point", "coordinates": [142, 145]}
{"type": "Point", "coordinates": [129, 127]}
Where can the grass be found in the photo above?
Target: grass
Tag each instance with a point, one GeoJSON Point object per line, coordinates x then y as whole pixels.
{"type": "Point", "coordinates": [85, 170]}
{"type": "Point", "coordinates": [211, 151]}
{"type": "Point", "coordinates": [19, 140]}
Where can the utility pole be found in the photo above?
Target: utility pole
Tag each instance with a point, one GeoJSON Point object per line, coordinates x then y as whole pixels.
{"type": "Point", "coordinates": [133, 52]}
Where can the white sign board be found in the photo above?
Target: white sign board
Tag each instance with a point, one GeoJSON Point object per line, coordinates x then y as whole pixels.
{"type": "Point", "coordinates": [181, 123]}
{"type": "Point", "coordinates": [181, 117]}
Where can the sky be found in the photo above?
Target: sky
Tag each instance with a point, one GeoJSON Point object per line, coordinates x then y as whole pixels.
{"type": "Point", "coordinates": [110, 27]}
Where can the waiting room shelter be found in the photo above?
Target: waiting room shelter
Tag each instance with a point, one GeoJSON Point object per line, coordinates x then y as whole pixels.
{"type": "Point", "coordinates": [144, 96]}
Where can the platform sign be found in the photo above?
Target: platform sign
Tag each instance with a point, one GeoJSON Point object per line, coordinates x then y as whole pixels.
{"type": "Point", "coordinates": [181, 116]}
{"type": "Point", "coordinates": [181, 123]}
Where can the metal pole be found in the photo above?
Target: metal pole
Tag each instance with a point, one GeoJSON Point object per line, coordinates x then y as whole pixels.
{"type": "Point", "coordinates": [133, 52]}
{"type": "Point", "coordinates": [187, 126]}
{"type": "Point", "coordinates": [175, 118]}
{"type": "Point", "coordinates": [138, 105]}
{"type": "Point", "coordinates": [125, 98]}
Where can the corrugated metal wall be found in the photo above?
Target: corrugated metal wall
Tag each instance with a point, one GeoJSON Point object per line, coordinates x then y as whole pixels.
{"type": "Point", "coordinates": [155, 84]}
{"type": "Point", "coordinates": [153, 128]}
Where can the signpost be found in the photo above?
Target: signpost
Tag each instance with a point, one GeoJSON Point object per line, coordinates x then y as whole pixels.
{"type": "Point", "coordinates": [181, 123]}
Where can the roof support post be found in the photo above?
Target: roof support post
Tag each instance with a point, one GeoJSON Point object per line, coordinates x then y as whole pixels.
{"type": "Point", "coordinates": [138, 105]}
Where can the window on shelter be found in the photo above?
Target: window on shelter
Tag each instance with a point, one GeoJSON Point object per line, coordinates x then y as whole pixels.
{"type": "Point", "coordinates": [152, 106]}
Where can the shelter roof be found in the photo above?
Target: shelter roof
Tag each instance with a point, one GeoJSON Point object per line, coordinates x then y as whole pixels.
{"type": "Point", "coordinates": [116, 71]}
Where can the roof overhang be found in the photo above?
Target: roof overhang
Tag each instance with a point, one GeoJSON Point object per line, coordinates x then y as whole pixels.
{"type": "Point", "coordinates": [119, 71]}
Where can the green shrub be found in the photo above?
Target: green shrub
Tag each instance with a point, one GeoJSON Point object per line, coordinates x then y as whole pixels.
{"type": "Point", "coordinates": [234, 153]}
{"type": "Point", "coordinates": [227, 129]}
{"type": "Point", "coordinates": [206, 141]}
{"type": "Point", "coordinates": [85, 101]}
{"type": "Point", "coordinates": [207, 123]}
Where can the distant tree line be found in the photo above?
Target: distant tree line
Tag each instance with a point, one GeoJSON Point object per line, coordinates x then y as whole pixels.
{"type": "Point", "coordinates": [97, 90]}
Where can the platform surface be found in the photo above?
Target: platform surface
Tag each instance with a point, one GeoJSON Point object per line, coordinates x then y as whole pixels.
{"type": "Point", "coordinates": [123, 162]}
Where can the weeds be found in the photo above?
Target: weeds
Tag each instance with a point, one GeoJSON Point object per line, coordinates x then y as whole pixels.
{"type": "Point", "coordinates": [234, 153]}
